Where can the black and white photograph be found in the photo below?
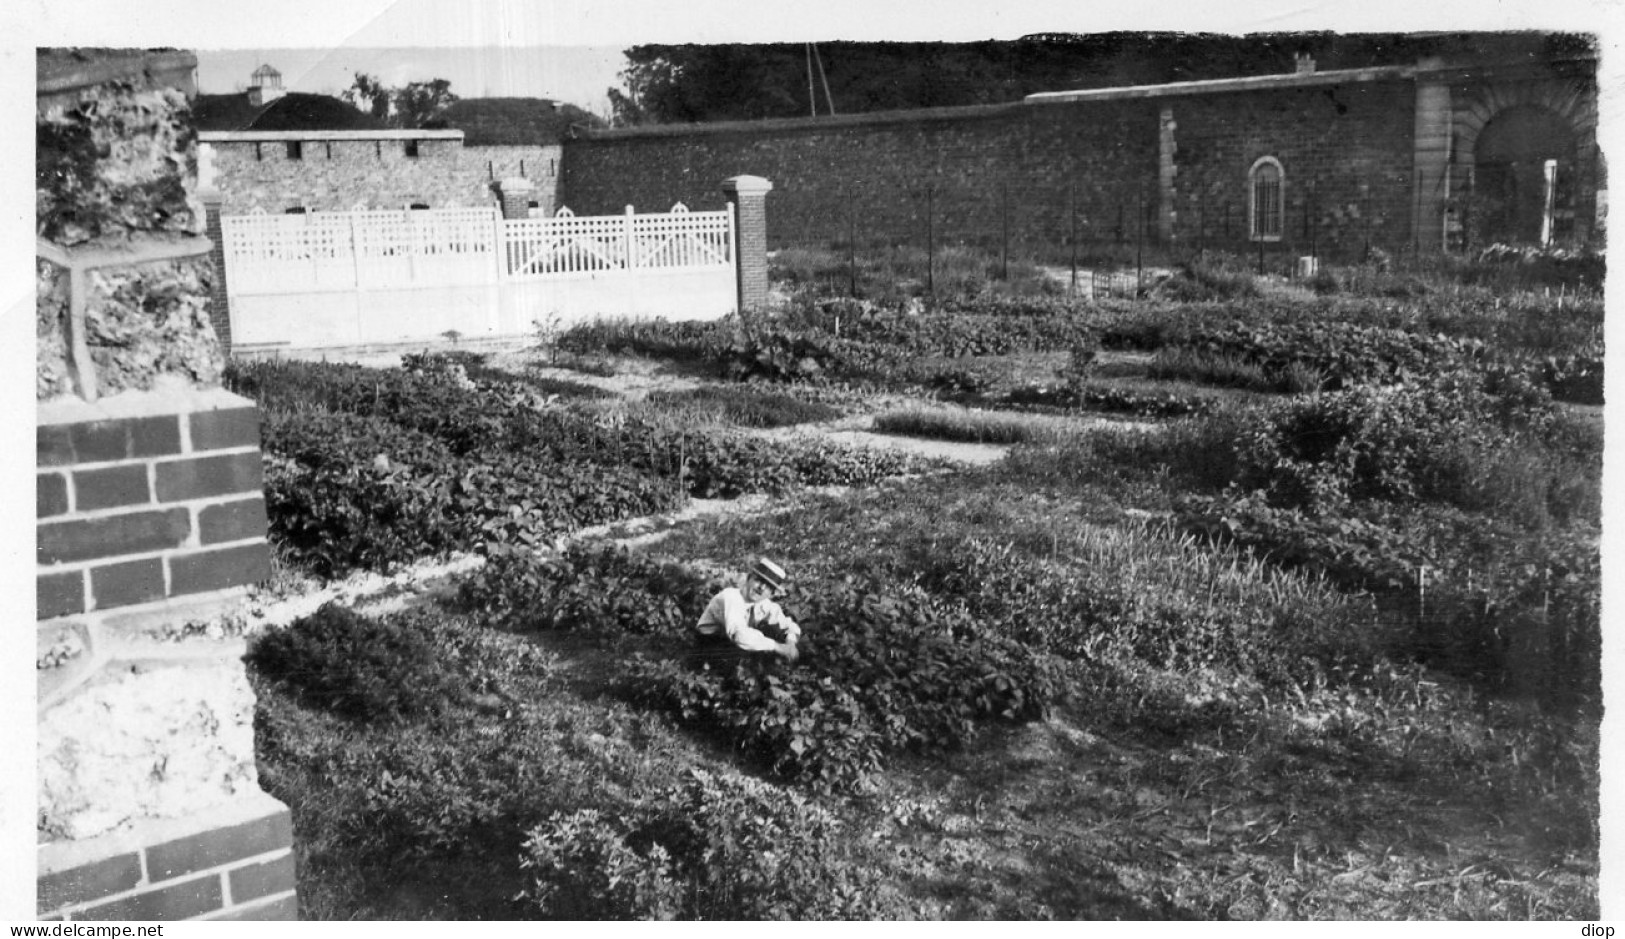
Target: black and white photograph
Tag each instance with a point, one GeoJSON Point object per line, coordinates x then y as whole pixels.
{"type": "Point", "coordinates": [507, 461]}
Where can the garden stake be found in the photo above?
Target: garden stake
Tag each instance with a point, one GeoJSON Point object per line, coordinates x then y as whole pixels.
{"type": "Point", "coordinates": [1072, 196]}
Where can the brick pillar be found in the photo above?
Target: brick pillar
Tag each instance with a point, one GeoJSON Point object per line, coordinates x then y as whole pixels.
{"type": "Point", "coordinates": [1167, 147]}
{"type": "Point", "coordinates": [219, 305]}
{"type": "Point", "coordinates": [1430, 172]}
{"type": "Point", "coordinates": [150, 529]}
{"type": "Point", "coordinates": [516, 193]}
{"type": "Point", "coordinates": [748, 196]}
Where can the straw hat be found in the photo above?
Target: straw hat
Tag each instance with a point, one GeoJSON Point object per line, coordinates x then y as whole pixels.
{"type": "Point", "coordinates": [768, 573]}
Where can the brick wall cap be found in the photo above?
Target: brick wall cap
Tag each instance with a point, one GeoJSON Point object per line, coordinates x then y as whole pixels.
{"type": "Point", "coordinates": [273, 136]}
{"type": "Point", "coordinates": [171, 394]}
{"type": "Point", "coordinates": [56, 856]}
{"type": "Point", "coordinates": [1220, 85]}
{"type": "Point", "coordinates": [828, 122]}
{"type": "Point", "coordinates": [515, 184]}
{"type": "Point", "coordinates": [747, 185]}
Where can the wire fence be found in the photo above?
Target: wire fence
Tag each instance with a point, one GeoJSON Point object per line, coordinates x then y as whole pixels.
{"type": "Point", "coordinates": [1098, 233]}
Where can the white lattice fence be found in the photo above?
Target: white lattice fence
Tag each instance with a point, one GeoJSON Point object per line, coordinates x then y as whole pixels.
{"type": "Point", "coordinates": [682, 239]}
{"type": "Point", "coordinates": [567, 244]}
{"type": "Point", "coordinates": [331, 278]}
{"type": "Point", "coordinates": [275, 254]}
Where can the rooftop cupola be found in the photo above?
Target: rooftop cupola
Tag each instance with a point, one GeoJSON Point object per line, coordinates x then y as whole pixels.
{"type": "Point", "coordinates": [265, 87]}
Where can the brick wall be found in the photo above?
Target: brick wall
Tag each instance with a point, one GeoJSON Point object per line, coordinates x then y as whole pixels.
{"type": "Point", "coordinates": [229, 864]}
{"type": "Point", "coordinates": [1029, 167]}
{"type": "Point", "coordinates": [137, 509]}
{"type": "Point", "coordinates": [337, 176]}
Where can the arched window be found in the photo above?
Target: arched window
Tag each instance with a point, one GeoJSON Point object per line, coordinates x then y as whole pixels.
{"type": "Point", "coordinates": [1266, 202]}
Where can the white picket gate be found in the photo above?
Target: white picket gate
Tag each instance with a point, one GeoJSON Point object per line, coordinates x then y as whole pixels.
{"type": "Point", "coordinates": [341, 278]}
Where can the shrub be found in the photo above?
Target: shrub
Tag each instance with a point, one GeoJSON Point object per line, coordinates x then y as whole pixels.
{"type": "Point", "coordinates": [1409, 442]}
{"type": "Point", "coordinates": [714, 848]}
{"type": "Point", "coordinates": [388, 669]}
{"type": "Point", "coordinates": [604, 590]}
{"type": "Point", "coordinates": [1222, 368]}
{"type": "Point", "coordinates": [337, 517]}
{"type": "Point", "coordinates": [1205, 282]}
{"type": "Point", "coordinates": [877, 673]}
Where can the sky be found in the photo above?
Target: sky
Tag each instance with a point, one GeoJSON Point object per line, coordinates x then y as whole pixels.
{"type": "Point", "coordinates": [576, 74]}
{"type": "Point", "coordinates": [337, 37]}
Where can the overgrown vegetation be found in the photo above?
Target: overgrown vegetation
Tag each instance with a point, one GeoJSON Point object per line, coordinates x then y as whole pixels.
{"type": "Point", "coordinates": [1316, 635]}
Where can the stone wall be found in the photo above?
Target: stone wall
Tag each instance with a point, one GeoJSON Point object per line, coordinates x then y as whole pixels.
{"type": "Point", "coordinates": [150, 522]}
{"type": "Point", "coordinates": [339, 175]}
{"type": "Point", "coordinates": [1345, 153]}
{"type": "Point", "coordinates": [885, 177]}
{"type": "Point", "coordinates": [1099, 168]}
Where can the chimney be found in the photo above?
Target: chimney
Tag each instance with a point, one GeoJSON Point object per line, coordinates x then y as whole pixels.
{"type": "Point", "coordinates": [1304, 63]}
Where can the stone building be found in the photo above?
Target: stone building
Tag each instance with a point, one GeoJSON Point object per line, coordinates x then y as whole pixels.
{"type": "Point", "coordinates": [277, 151]}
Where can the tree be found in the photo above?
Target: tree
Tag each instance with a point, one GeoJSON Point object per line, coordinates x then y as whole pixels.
{"type": "Point", "coordinates": [368, 94]}
{"type": "Point", "coordinates": [419, 104]}
{"type": "Point", "coordinates": [668, 84]}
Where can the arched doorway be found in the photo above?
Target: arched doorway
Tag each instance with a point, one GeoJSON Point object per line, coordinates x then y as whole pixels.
{"type": "Point", "coordinates": [1524, 175]}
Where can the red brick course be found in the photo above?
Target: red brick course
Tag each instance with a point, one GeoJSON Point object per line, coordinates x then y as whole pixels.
{"type": "Point", "coordinates": [209, 476]}
{"type": "Point", "coordinates": [232, 521]}
{"type": "Point", "coordinates": [126, 583]}
{"type": "Point", "coordinates": [111, 487]}
{"type": "Point", "coordinates": [218, 570]}
{"type": "Point", "coordinates": [184, 900]}
{"type": "Point", "coordinates": [116, 520]}
{"type": "Point", "coordinates": [218, 430]}
{"type": "Point", "coordinates": [50, 494]}
{"type": "Point", "coordinates": [213, 848]}
{"type": "Point", "coordinates": [112, 535]}
{"type": "Point", "coordinates": [252, 881]}
{"type": "Point", "coordinates": [284, 908]}
{"type": "Point", "coordinates": [59, 594]}
{"type": "Point", "coordinates": [83, 884]}
{"type": "Point", "coordinates": [243, 871]}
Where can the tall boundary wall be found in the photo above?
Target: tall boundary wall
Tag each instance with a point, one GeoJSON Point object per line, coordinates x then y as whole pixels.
{"type": "Point", "coordinates": [1369, 159]}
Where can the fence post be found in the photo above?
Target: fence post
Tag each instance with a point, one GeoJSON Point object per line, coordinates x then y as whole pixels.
{"type": "Point", "coordinates": [628, 242]}
{"type": "Point", "coordinates": [748, 195]}
{"type": "Point", "coordinates": [515, 193]}
{"type": "Point", "coordinates": [209, 194]}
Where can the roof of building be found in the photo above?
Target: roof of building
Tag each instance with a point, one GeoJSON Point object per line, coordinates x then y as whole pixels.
{"type": "Point", "coordinates": [509, 122]}
{"type": "Point", "coordinates": [292, 111]}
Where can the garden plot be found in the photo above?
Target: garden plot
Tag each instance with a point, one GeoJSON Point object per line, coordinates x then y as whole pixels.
{"type": "Point", "coordinates": [1163, 659]}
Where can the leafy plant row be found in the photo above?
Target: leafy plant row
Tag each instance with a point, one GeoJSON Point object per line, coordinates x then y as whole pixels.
{"type": "Point", "coordinates": [371, 468]}
{"type": "Point", "coordinates": [877, 674]}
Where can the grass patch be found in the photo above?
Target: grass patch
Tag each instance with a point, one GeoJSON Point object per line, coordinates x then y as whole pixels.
{"type": "Point", "coordinates": [748, 407]}
{"type": "Point", "coordinates": [967, 426]}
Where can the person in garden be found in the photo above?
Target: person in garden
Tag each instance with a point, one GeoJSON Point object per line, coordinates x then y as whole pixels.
{"type": "Point", "coordinates": [744, 622]}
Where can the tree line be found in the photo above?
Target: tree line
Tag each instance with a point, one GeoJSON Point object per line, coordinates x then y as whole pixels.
{"type": "Point", "coordinates": [674, 84]}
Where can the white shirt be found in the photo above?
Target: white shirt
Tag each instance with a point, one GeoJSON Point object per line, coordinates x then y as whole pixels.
{"type": "Point", "coordinates": [738, 620]}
